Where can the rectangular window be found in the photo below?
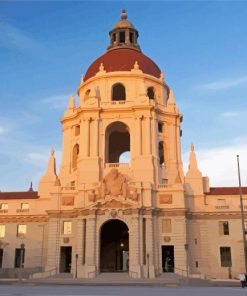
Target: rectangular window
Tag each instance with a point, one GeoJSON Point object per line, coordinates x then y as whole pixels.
{"type": "Point", "coordinates": [2, 230]}
{"type": "Point", "coordinates": [25, 206]}
{"type": "Point", "coordinates": [160, 127]}
{"type": "Point", "coordinates": [225, 257]}
{"type": "Point", "coordinates": [224, 227]}
{"type": "Point", "coordinates": [21, 230]}
{"type": "Point", "coordinates": [166, 225]}
{"type": "Point", "coordinates": [67, 227]}
{"type": "Point", "coordinates": [4, 206]}
{"type": "Point", "coordinates": [245, 227]}
{"type": "Point", "coordinates": [122, 37]}
{"type": "Point", "coordinates": [77, 130]}
{"type": "Point", "coordinates": [1, 258]}
{"type": "Point", "coordinates": [19, 257]}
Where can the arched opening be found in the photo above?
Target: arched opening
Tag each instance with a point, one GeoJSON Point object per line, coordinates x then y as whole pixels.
{"type": "Point", "coordinates": [125, 157]}
{"type": "Point", "coordinates": [75, 154]}
{"type": "Point", "coordinates": [161, 152]}
{"type": "Point", "coordinates": [86, 96]}
{"type": "Point", "coordinates": [114, 247]}
{"type": "Point", "coordinates": [117, 141]}
{"type": "Point", "coordinates": [150, 93]}
{"type": "Point", "coordinates": [118, 92]}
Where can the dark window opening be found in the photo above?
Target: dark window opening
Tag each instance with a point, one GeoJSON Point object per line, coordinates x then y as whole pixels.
{"type": "Point", "coordinates": [65, 259]}
{"type": "Point", "coordinates": [77, 130]}
{"type": "Point", "coordinates": [122, 37]}
{"type": "Point", "coordinates": [197, 264]}
{"type": "Point", "coordinates": [86, 96]}
{"type": "Point", "coordinates": [225, 257]}
{"type": "Point", "coordinates": [75, 154]}
{"type": "Point", "coordinates": [160, 127]}
{"type": "Point", "coordinates": [161, 153]}
{"type": "Point", "coordinates": [118, 92]}
{"type": "Point", "coordinates": [150, 93]}
{"type": "Point", "coordinates": [131, 37]}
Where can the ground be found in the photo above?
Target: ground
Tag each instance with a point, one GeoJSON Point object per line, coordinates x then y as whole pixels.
{"type": "Point", "coordinates": [69, 290]}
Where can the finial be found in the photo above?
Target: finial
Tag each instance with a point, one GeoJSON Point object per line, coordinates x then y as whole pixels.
{"type": "Point", "coordinates": [136, 65]}
{"type": "Point", "coordinates": [101, 67]}
{"type": "Point", "coordinates": [123, 14]}
{"type": "Point", "coordinates": [82, 79]}
{"type": "Point", "coordinates": [52, 151]}
{"type": "Point", "coordinates": [192, 147]}
{"type": "Point", "coordinates": [162, 76]}
{"type": "Point", "coordinates": [31, 186]}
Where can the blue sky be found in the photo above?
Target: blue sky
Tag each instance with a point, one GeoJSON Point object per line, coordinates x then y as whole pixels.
{"type": "Point", "coordinates": [45, 47]}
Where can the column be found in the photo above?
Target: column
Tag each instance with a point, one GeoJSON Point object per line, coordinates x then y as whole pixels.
{"type": "Point", "coordinates": [138, 138]}
{"type": "Point", "coordinates": [148, 135]}
{"type": "Point", "coordinates": [85, 137]}
{"type": "Point", "coordinates": [150, 247]}
{"type": "Point", "coordinates": [91, 247]}
{"type": "Point", "coordinates": [53, 245]}
{"type": "Point", "coordinates": [96, 137]}
{"type": "Point", "coordinates": [134, 248]}
{"type": "Point", "coordinates": [155, 138]}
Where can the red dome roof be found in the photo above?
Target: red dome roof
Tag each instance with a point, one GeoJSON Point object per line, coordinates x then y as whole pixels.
{"type": "Point", "coordinates": [123, 59]}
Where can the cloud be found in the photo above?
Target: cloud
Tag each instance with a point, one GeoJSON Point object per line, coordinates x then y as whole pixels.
{"type": "Point", "coordinates": [224, 84]}
{"type": "Point", "coordinates": [13, 37]}
{"type": "Point", "coordinates": [40, 159]}
{"type": "Point", "coordinates": [57, 102]}
{"type": "Point", "coordinates": [220, 163]}
{"type": "Point", "coordinates": [230, 114]}
{"type": "Point", "coordinates": [2, 130]}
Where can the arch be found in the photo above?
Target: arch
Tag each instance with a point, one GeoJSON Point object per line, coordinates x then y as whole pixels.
{"type": "Point", "coordinates": [75, 154]}
{"type": "Point", "coordinates": [151, 93]}
{"type": "Point", "coordinates": [114, 246]}
{"type": "Point", "coordinates": [87, 93]}
{"type": "Point", "coordinates": [161, 152]}
{"type": "Point", "coordinates": [117, 141]}
{"type": "Point", "coordinates": [118, 92]}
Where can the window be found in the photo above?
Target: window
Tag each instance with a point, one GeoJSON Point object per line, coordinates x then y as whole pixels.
{"type": "Point", "coordinates": [223, 227]}
{"type": "Point", "coordinates": [2, 230]}
{"type": "Point", "coordinates": [25, 206]}
{"type": "Point", "coordinates": [122, 37]}
{"type": "Point", "coordinates": [86, 96]}
{"type": "Point", "coordinates": [197, 264]}
{"type": "Point", "coordinates": [75, 155]}
{"type": "Point", "coordinates": [161, 152]}
{"type": "Point", "coordinates": [225, 257]}
{"type": "Point", "coordinates": [166, 225]}
{"type": "Point", "coordinates": [67, 227]}
{"type": "Point", "coordinates": [195, 240]}
{"type": "Point", "coordinates": [131, 37]}
{"type": "Point", "coordinates": [160, 127]}
{"type": "Point", "coordinates": [150, 93]}
{"type": "Point", "coordinates": [77, 130]}
{"type": "Point", "coordinates": [21, 230]}
{"type": "Point", "coordinates": [1, 258]}
{"type": "Point", "coordinates": [4, 206]}
{"type": "Point", "coordinates": [118, 92]}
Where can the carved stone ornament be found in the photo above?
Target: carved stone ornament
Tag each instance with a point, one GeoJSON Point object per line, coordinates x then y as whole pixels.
{"type": "Point", "coordinates": [114, 184]}
{"type": "Point", "coordinates": [68, 200]}
{"type": "Point", "coordinates": [113, 213]}
{"type": "Point", "coordinates": [165, 198]}
{"type": "Point", "coordinates": [167, 239]}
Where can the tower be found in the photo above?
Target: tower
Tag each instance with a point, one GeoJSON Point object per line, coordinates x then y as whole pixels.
{"type": "Point", "coordinates": [125, 107]}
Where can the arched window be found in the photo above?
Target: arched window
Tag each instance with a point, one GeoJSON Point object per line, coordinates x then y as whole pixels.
{"type": "Point", "coordinates": [150, 93]}
{"type": "Point", "coordinates": [118, 92]}
{"type": "Point", "coordinates": [86, 96]}
{"type": "Point", "coordinates": [75, 154]}
{"type": "Point", "coordinates": [117, 143]}
{"type": "Point", "coordinates": [161, 152]}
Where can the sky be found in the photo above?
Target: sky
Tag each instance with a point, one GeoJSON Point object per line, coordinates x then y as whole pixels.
{"type": "Point", "coordinates": [45, 48]}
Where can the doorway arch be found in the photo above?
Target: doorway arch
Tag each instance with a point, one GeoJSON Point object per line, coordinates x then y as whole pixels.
{"type": "Point", "coordinates": [114, 246]}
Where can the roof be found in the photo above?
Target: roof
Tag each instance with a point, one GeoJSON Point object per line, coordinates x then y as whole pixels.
{"type": "Point", "coordinates": [123, 59]}
{"type": "Point", "coordinates": [226, 191]}
{"type": "Point", "coordinates": [19, 195]}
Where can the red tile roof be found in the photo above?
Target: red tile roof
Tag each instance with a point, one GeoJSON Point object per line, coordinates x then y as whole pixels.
{"type": "Point", "coordinates": [226, 191]}
{"type": "Point", "coordinates": [19, 195]}
{"type": "Point", "coordinates": [123, 59]}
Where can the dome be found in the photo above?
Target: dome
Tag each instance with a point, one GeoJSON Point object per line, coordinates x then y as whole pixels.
{"type": "Point", "coordinates": [123, 59]}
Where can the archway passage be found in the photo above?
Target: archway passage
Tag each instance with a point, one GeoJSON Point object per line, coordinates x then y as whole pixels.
{"type": "Point", "coordinates": [117, 141]}
{"type": "Point", "coordinates": [114, 247]}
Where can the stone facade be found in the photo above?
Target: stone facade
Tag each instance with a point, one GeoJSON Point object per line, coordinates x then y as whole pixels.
{"type": "Point", "coordinates": [175, 223]}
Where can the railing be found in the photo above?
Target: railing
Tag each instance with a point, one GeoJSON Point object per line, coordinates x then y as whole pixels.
{"type": "Point", "coordinates": [114, 103]}
{"type": "Point", "coordinates": [22, 210]}
{"type": "Point", "coordinates": [162, 185]}
{"type": "Point", "coordinates": [222, 207]}
{"type": "Point", "coordinates": [117, 165]}
{"type": "Point", "coordinates": [3, 211]}
{"type": "Point", "coordinates": [44, 274]}
{"type": "Point", "coordinates": [68, 188]}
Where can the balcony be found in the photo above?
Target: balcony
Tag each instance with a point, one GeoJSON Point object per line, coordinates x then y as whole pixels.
{"type": "Point", "coordinates": [117, 165]}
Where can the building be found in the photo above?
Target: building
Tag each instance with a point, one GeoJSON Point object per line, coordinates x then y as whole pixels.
{"type": "Point", "coordinates": [101, 214]}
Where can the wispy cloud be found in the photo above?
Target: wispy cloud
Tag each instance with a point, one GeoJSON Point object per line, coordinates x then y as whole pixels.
{"type": "Point", "coordinates": [57, 102]}
{"type": "Point", "coordinates": [2, 130]}
{"type": "Point", "coordinates": [223, 84]}
{"type": "Point", "coordinates": [13, 37]}
{"type": "Point", "coordinates": [230, 114]}
{"type": "Point", "coordinates": [220, 164]}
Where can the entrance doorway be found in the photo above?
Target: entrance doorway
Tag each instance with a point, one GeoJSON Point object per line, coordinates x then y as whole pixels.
{"type": "Point", "coordinates": [168, 258]}
{"type": "Point", "coordinates": [114, 247]}
{"type": "Point", "coordinates": [65, 259]}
